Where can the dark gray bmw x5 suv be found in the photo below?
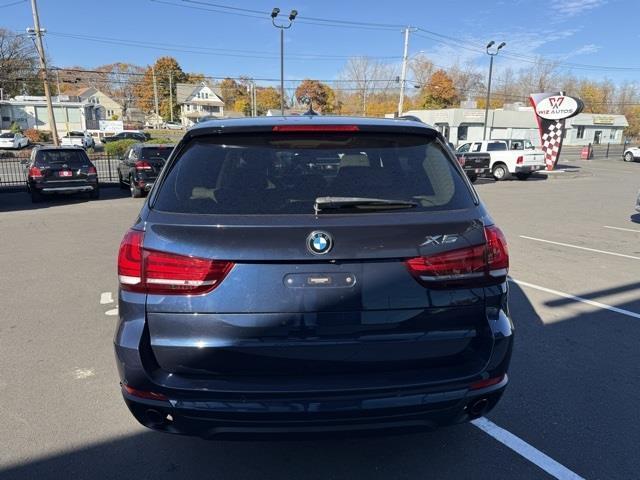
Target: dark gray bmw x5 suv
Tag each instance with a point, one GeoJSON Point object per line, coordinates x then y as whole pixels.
{"type": "Point", "coordinates": [304, 275]}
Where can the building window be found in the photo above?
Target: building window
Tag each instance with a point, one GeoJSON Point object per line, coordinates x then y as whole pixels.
{"type": "Point", "coordinates": [463, 131]}
{"type": "Point", "coordinates": [580, 133]}
{"type": "Point", "coordinates": [597, 137]}
{"type": "Point", "coordinates": [612, 134]}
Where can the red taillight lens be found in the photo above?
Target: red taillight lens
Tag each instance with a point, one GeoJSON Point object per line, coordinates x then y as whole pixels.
{"type": "Point", "coordinates": [167, 273]}
{"type": "Point", "coordinates": [520, 160]}
{"type": "Point", "coordinates": [497, 252]}
{"type": "Point", "coordinates": [162, 273]}
{"type": "Point", "coordinates": [461, 161]}
{"type": "Point", "coordinates": [469, 265]}
{"type": "Point", "coordinates": [92, 170]}
{"type": "Point", "coordinates": [130, 262]}
{"type": "Point", "coordinates": [142, 165]}
{"type": "Point", "coordinates": [316, 128]}
{"type": "Point", "coordinates": [34, 172]}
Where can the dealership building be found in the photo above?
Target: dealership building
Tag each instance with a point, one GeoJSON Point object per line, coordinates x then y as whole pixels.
{"type": "Point", "coordinates": [460, 125]}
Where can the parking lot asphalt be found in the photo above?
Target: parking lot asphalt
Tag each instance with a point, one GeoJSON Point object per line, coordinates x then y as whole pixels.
{"type": "Point", "coordinates": [571, 410]}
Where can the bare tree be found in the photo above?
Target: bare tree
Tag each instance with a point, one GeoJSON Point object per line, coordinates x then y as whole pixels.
{"type": "Point", "coordinates": [18, 64]}
{"type": "Point", "coordinates": [467, 80]}
{"type": "Point", "coordinates": [367, 76]}
{"type": "Point", "coordinates": [421, 68]}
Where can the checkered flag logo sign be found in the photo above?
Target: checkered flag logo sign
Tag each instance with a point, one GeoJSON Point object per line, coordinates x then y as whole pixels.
{"type": "Point", "coordinates": [551, 143]}
{"type": "Point", "coordinates": [551, 110]}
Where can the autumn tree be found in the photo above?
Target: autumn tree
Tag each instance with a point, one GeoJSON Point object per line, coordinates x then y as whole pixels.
{"type": "Point", "coordinates": [365, 76]}
{"type": "Point", "coordinates": [167, 71]}
{"type": "Point", "coordinates": [439, 92]}
{"type": "Point", "coordinates": [267, 98]}
{"type": "Point", "coordinates": [320, 95]}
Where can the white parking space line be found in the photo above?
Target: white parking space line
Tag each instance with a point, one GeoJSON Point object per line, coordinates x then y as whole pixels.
{"type": "Point", "coordinates": [112, 313]}
{"type": "Point", "coordinates": [580, 248]}
{"type": "Point", "coordinates": [106, 297]}
{"type": "Point", "coordinates": [535, 456]}
{"type": "Point", "coordinates": [593, 303]}
{"type": "Point", "coordinates": [623, 229]}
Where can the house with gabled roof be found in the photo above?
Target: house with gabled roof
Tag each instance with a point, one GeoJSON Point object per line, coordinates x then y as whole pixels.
{"type": "Point", "coordinates": [197, 101]}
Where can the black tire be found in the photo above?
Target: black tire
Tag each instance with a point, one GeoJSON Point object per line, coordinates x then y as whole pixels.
{"type": "Point", "coordinates": [136, 192]}
{"type": "Point", "coordinates": [95, 193]}
{"type": "Point", "coordinates": [500, 172]}
{"type": "Point", "coordinates": [628, 157]}
{"type": "Point", "coordinates": [473, 178]}
{"type": "Point", "coordinates": [36, 196]}
{"type": "Point", "coordinates": [123, 185]}
{"type": "Point", "coordinates": [523, 176]}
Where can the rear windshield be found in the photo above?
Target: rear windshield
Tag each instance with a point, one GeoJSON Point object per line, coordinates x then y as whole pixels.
{"type": "Point", "coordinates": [75, 134]}
{"type": "Point", "coordinates": [285, 173]}
{"type": "Point", "coordinates": [72, 158]}
{"type": "Point", "coordinates": [496, 146]}
{"type": "Point", "coordinates": [7, 135]}
{"type": "Point", "coordinates": [153, 153]}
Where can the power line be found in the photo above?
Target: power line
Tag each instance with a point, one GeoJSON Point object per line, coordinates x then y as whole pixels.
{"type": "Point", "coordinates": [11, 4]}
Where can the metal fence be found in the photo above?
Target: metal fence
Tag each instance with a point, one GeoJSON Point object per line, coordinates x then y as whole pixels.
{"type": "Point", "coordinates": [12, 168]}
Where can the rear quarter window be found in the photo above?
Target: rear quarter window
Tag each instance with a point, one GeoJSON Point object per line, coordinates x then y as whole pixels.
{"type": "Point", "coordinates": [284, 173]}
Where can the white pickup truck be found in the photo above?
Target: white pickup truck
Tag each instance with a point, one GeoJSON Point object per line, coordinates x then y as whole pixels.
{"type": "Point", "coordinates": [78, 139]}
{"type": "Point", "coordinates": [509, 157]}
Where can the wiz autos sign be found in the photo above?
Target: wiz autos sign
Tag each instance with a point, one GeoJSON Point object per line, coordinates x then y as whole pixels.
{"type": "Point", "coordinates": [552, 109]}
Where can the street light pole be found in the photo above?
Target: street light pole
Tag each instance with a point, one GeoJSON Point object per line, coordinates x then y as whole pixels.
{"type": "Point", "coordinates": [486, 107]}
{"type": "Point", "coordinates": [283, 26]}
{"type": "Point", "coordinates": [37, 32]}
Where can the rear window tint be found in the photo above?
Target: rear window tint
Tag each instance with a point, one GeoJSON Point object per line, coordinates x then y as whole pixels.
{"type": "Point", "coordinates": [151, 153]}
{"type": "Point", "coordinates": [71, 158]}
{"type": "Point", "coordinates": [285, 173]}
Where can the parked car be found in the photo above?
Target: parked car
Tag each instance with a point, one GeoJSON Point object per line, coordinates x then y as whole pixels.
{"type": "Point", "coordinates": [173, 126]}
{"type": "Point", "coordinates": [127, 135]}
{"type": "Point", "coordinates": [60, 170]}
{"type": "Point", "coordinates": [140, 167]}
{"type": "Point", "coordinates": [506, 162]}
{"type": "Point", "coordinates": [254, 299]}
{"type": "Point", "coordinates": [78, 139]}
{"type": "Point", "coordinates": [631, 154]}
{"type": "Point", "coordinates": [13, 140]}
{"type": "Point", "coordinates": [474, 164]}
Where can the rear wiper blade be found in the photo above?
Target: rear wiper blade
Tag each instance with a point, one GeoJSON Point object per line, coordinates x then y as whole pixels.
{"type": "Point", "coordinates": [335, 203]}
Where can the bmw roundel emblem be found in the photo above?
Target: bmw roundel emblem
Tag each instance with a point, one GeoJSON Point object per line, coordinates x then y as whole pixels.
{"type": "Point", "coordinates": [319, 243]}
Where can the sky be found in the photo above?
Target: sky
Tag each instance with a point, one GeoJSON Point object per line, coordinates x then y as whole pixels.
{"type": "Point", "coordinates": [223, 42]}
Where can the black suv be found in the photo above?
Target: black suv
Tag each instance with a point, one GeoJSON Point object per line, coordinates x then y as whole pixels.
{"type": "Point", "coordinates": [52, 170]}
{"type": "Point", "coordinates": [263, 293]}
{"type": "Point", "coordinates": [141, 165]}
{"type": "Point", "coordinates": [139, 136]}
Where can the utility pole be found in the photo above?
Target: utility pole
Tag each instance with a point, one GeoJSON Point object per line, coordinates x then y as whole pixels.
{"type": "Point", "coordinates": [171, 94]}
{"type": "Point", "coordinates": [155, 93]}
{"type": "Point", "coordinates": [403, 75]}
{"type": "Point", "coordinates": [37, 32]}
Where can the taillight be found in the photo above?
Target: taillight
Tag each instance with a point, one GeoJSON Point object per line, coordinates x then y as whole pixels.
{"type": "Point", "coordinates": [461, 161]}
{"type": "Point", "coordinates": [162, 273]}
{"type": "Point", "coordinates": [142, 165]}
{"type": "Point", "coordinates": [34, 172]}
{"type": "Point", "coordinates": [520, 160]}
{"type": "Point", "coordinates": [488, 263]}
{"type": "Point", "coordinates": [92, 170]}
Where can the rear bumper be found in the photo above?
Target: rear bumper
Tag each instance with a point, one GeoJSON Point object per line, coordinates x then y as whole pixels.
{"type": "Point", "coordinates": [355, 414]}
{"type": "Point", "coordinates": [241, 405]}
{"type": "Point", "coordinates": [529, 168]}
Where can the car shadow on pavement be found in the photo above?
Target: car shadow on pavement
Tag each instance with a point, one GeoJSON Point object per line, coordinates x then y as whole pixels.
{"type": "Point", "coordinates": [21, 200]}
